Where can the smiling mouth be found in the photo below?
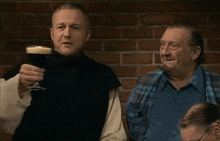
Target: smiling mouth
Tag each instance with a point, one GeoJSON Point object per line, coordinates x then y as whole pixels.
{"type": "Point", "coordinates": [66, 43]}
{"type": "Point", "coordinates": [169, 59]}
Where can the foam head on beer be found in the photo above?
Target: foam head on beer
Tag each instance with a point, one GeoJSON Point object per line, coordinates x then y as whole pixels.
{"type": "Point", "coordinates": [38, 50]}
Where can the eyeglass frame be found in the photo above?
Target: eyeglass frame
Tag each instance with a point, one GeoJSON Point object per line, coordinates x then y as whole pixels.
{"type": "Point", "coordinates": [203, 134]}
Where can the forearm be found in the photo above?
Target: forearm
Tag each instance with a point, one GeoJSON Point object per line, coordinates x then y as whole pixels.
{"type": "Point", "coordinates": [12, 107]}
{"type": "Point", "coordinates": [113, 129]}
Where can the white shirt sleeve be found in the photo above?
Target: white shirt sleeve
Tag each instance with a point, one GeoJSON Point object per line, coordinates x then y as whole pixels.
{"type": "Point", "coordinates": [113, 129]}
{"type": "Point", "coordinates": [12, 107]}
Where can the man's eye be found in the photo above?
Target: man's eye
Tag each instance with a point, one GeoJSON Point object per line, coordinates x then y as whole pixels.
{"type": "Point", "coordinates": [60, 27]}
{"type": "Point", "coordinates": [174, 46]}
{"type": "Point", "coordinates": [162, 44]}
{"type": "Point", "coordinates": [75, 27]}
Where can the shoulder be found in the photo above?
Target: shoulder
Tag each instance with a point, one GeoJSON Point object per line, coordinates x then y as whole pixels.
{"type": "Point", "coordinates": [213, 77]}
{"type": "Point", "coordinates": [95, 66]}
{"type": "Point", "coordinates": [101, 73]}
{"type": "Point", "coordinates": [151, 77]}
{"type": "Point", "coordinates": [211, 73]}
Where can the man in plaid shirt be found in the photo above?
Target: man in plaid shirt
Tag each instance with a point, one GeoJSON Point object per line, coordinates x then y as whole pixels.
{"type": "Point", "coordinates": [161, 97]}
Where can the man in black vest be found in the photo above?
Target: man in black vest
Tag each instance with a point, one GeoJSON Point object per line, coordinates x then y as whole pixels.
{"type": "Point", "coordinates": [80, 102]}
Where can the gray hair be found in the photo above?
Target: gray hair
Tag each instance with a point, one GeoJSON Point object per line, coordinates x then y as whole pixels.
{"type": "Point", "coordinates": [202, 115]}
{"type": "Point", "coordinates": [196, 37]}
{"type": "Point", "coordinates": [73, 6]}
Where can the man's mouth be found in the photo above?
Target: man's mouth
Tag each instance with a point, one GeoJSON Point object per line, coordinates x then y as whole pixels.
{"type": "Point", "coordinates": [67, 43]}
{"type": "Point", "coordinates": [169, 59]}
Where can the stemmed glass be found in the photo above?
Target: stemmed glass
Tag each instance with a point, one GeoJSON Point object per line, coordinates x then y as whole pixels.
{"type": "Point", "coordinates": [38, 56]}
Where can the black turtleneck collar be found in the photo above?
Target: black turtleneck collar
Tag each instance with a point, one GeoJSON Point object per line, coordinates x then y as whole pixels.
{"type": "Point", "coordinates": [57, 60]}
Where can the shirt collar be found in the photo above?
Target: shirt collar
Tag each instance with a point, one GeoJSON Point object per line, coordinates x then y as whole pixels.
{"type": "Point", "coordinates": [164, 79]}
{"type": "Point", "coordinates": [196, 80]}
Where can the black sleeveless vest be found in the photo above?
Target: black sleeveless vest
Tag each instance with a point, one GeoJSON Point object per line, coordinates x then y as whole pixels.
{"type": "Point", "coordinates": [74, 105]}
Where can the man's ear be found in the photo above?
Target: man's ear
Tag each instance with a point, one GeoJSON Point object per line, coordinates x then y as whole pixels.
{"type": "Point", "coordinates": [216, 129]}
{"type": "Point", "coordinates": [51, 33]}
{"type": "Point", "coordinates": [196, 52]}
{"type": "Point", "coordinates": [88, 34]}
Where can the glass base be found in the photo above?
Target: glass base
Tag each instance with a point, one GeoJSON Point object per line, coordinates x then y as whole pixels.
{"type": "Point", "coordinates": [36, 87]}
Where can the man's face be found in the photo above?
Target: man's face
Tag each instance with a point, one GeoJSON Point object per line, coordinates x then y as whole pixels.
{"type": "Point", "coordinates": [175, 49]}
{"type": "Point", "coordinates": [69, 32]}
{"type": "Point", "coordinates": [193, 133]}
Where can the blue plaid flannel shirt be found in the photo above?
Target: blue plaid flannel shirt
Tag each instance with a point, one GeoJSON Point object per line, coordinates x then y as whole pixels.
{"type": "Point", "coordinates": [139, 102]}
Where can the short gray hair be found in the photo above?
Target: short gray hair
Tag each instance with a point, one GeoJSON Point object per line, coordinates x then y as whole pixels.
{"type": "Point", "coordinates": [196, 37]}
{"type": "Point", "coordinates": [73, 6]}
{"type": "Point", "coordinates": [203, 115]}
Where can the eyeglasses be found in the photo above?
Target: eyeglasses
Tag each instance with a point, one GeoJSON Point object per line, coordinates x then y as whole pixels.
{"type": "Point", "coordinates": [203, 134]}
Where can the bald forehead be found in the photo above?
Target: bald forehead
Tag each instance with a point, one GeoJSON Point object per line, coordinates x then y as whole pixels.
{"type": "Point", "coordinates": [66, 13]}
{"type": "Point", "coordinates": [176, 34]}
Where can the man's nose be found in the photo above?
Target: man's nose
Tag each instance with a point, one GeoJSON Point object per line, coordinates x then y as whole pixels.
{"type": "Point", "coordinates": [165, 49]}
{"type": "Point", "coordinates": [67, 32]}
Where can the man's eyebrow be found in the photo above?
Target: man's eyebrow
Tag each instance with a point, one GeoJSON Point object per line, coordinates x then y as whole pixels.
{"type": "Point", "coordinates": [59, 24]}
{"type": "Point", "coordinates": [75, 24]}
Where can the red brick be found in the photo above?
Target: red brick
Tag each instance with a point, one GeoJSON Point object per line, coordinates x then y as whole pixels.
{"type": "Point", "coordinates": [114, 20]}
{"type": "Point", "coordinates": [47, 43]}
{"type": "Point", "coordinates": [124, 122]}
{"type": "Point", "coordinates": [93, 46]}
{"type": "Point", "coordinates": [174, 7]}
{"type": "Point", "coordinates": [17, 46]}
{"type": "Point", "coordinates": [19, 20]}
{"type": "Point", "coordinates": [100, 7]}
{"type": "Point", "coordinates": [109, 58]}
{"type": "Point", "coordinates": [138, 33]}
{"type": "Point", "coordinates": [159, 32]}
{"type": "Point", "coordinates": [215, 68]}
{"type": "Point", "coordinates": [43, 20]}
{"type": "Point", "coordinates": [36, 32]}
{"type": "Point", "coordinates": [207, 6]}
{"type": "Point", "coordinates": [156, 19]}
{"type": "Point", "coordinates": [8, 7]}
{"type": "Point", "coordinates": [210, 32]}
{"type": "Point", "coordinates": [145, 69]}
{"type": "Point", "coordinates": [212, 58]}
{"type": "Point", "coordinates": [213, 44]}
{"type": "Point", "coordinates": [128, 134]}
{"type": "Point", "coordinates": [43, 7]}
{"type": "Point", "coordinates": [197, 19]}
{"type": "Point", "coordinates": [125, 71]}
{"type": "Point", "coordinates": [20, 46]}
{"type": "Point", "coordinates": [128, 83]}
{"type": "Point", "coordinates": [10, 33]}
{"type": "Point", "coordinates": [149, 45]}
{"type": "Point", "coordinates": [5, 69]}
{"type": "Point", "coordinates": [2, 46]}
{"type": "Point", "coordinates": [214, 19]}
{"type": "Point", "coordinates": [120, 45]}
{"type": "Point", "coordinates": [157, 58]}
{"type": "Point", "coordinates": [123, 109]}
{"type": "Point", "coordinates": [55, 5]}
{"type": "Point", "coordinates": [139, 58]}
{"type": "Point", "coordinates": [136, 7]}
{"type": "Point", "coordinates": [9, 59]}
{"type": "Point", "coordinates": [123, 96]}
{"type": "Point", "coordinates": [103, 33]}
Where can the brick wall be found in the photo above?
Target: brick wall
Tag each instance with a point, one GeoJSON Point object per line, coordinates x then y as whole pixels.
{"type": "Point", "coordinates": [125, 34]}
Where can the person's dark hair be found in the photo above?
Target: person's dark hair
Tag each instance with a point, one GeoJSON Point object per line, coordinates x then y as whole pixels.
{"type": "Point", "coordinates": [73, 6]}
{"type": "Point", "coordinates": [196, 37]}
{"type": "Point", "coordinates": [201, 114]}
